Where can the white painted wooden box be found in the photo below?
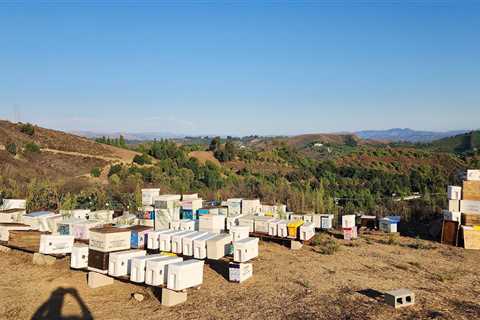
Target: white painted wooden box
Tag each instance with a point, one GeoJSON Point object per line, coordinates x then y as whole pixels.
{"type": "Point", "coordinates": [348, 221]}
{"type": "Point", "coordinates": [469, 206]}
{"type": "Point", "coordinates": [185, 274]}
{"type": "Point", "coordinates": [109, 239]}
{"type": "Point", "coordinates": [232, 221]}
{"type": "Point", "coordinates": [245, 250]}
{"type": "Point", "coordinates": [156, 270]}
{"type": "Point", "coordinates": [452, 216]}
{"type": "Point", "coordinates": [187, 224]}
{"type": "Point", "coordinates": [187, 242]}
{"type": "Point", "coordinates": [165, 240]}
{"type": "Point", "coordinates": [82, 230]}
{"type": "Point", "coordinates": [153, 239]}
{"type": "Point", "coordinates": [218, 246]}
{"type": "Point", "coordinates": [247, 221]}
{"type": "Point", "coordinates": [211, 223]}
{"type": "Point", "coordinates": [260, 224]}
{"type": "Point", "coordinates": [307, 217]}
{"type": "Point", "coordinates": [282, 228]}
{"type": "Point", "coordinates": [56, 244]}
{"type": "Point", "coordinates": [273, 227]}
{"type": "Point", "coordinates": [200, 246]}
{"type": "Point", "coordinates": [473, 175]}
{"type": "Point", "coordinates": [120, 263]}
{"type": "Point", "coordinates": [177, 240]}
{"type": "Point", "coordinates": [5, 229]}
{"type": "Point", "coordinates": [175, 225]}
{"type": "Point", "coordinates": [387, 225]}
{"type": "Point", "coordinates": [79, 256]}
{"type": "Point", "coordinates": [454, 205]}
{"type": "Point", "coordinates": [239, 232]}
{"type": "Point", "coordinates": [454, 193]}
{"type": "Point", "coordinates": [307, 231]}
{"type": "Point", "coordinates": [239, 272]}
{"type": "Point", "coordinates": [139, 267]}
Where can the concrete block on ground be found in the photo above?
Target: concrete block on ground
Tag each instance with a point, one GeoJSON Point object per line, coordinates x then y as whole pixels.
{"type": "Point", "coordinates": [4, 249]}
{"type": "Point", "coordinates": [43, 260]}
{"type": "Point", "coordinates": [172, 298]}
{"type": "Point", "coordinates": [400, 298]}
{"type": "Point", "coordinates": [97, 280]}
{"type": "Point", "coordinates": [295, 245]}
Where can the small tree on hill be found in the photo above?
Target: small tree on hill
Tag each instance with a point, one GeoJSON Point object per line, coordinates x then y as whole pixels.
{"type": "Point", "coordinates": [11, 148]}
{"type": "Point", "coordinates": [27, 128]}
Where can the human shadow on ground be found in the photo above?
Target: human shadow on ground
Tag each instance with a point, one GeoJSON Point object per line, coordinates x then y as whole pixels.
{"type": "Point", "coordinates": [52, 308]}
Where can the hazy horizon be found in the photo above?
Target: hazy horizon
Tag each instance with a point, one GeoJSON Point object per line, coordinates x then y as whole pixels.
{"type": "Point", "coordinates": [240, 68]}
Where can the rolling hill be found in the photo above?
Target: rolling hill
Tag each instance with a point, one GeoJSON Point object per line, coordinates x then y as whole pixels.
{"type": "Point", "coordinates": [407, 135]}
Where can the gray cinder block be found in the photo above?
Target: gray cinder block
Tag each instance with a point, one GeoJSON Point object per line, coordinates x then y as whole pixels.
{"type": "Point", "coordinates": [171, 298]}
{"type": "Point", "coordinates": [97, 280]}
{"type": "Point", "coordinates": [400, 298]}
{"type": "Point", "coordinates": [43, 260]}
{"type": "Point", "coordinates": [295, 245]}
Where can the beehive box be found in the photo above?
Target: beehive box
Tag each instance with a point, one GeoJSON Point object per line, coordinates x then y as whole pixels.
{"type": "Point", "coordinates": [148, 196]}
{"type": "Point", "coordinates": [191, 196]}
{"type": "Point", "coordinates": [245, 249]}
{"type": "Point", "coordinates": [139, 235]}
{"type": "Point", "coordinates": [211, 223]}
{"type": "Point", "coordinates": [471, 238]}
{"type": "Point", "coordinates": [98, 261]}
{"type": "Point", "coordinates": [452, 216]}
{"type": "Point", "coordinates": [66, 226]}
{"type": "Point", "coordinates": [307, 218]}
{"type": "Point", "coordinates": [282, 228]}
{"type": "Point", "coordinates": [293, 228]}
{"type": "Point", "coordinates": [8, 204]}
{"type": "Point", "coordinates": [156, 270]}
{"type": "Point", "coordinates": [469, 206]}
{"type": "Point", "coordinates": [239, 232]}
{"type": "Point", "coordinates": [247, 221]}
{"type": "Point", "coordinates": [190, 225]}
{"type": "Point", "coordinates": [120, 263]}
{"type": "Point", "coordinates": [251, 206]}
{"type": "Point", "coordinates": [200, 246]}
{"type": "Point", "coordinates": [218, 246]}
{"type": "Point", "coordinates": [108, 239]}
{"type": "Point", "coordinates": [234, 207]}
{"type": "Point", "coordinates": [185, 274]}
{"type": "Point", "coordinates": [239, 272]}
{"type": "Point", "coordinates": [81, 231]}
{"type": "Point", "coordinates": [473, 175]}
{"type": "Point", "coordinates": [139, 267]}
{"type": "Point", "coordinates": [163, 217]}
{"type": "Point", "coordinates": [307, 231]}
{"type": "Point", "coordinates": [260, 224]}
{"type": "Point", "coordinates": [165, 239]}
{"type": "Point", "coordinates": [177, 240]}
{"type": "Point", "coordinates": [232, 221]}
{"type": "Point", "coordinates": [175, 225]}
{"type": "Point", "coordinates": [79, 257]}
{"type": "Point", "coordinates": [350, 233]}
{"type": "Point", "coordinates": [454, 205]}
{"type": "Point", "coordinates": [11, 215]}
{"type": "Point", "coordinates": [471, 190]}
{"type": "Point", "coordinates": [454, 192]}
{"type": "Point", "coordinates": [56, 244]}
{"type": "Point", "coordinates": [153, 238]}
{"type": "Point", "coordinates": [471, 219]}
{"type": "Point", "coordinates": [273, 227]}
{"type": "Point", "coordinates": [187, 242]}
{"type": "Point", "coordinates": [348, 221]}
{"type": "Point", "coordinates": [5, 229]}
{"type": "Point", "coordinates": [387, 225]}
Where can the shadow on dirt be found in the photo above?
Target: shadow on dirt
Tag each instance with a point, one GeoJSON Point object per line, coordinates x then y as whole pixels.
{"type": "Point", "coordinates": [52, 308]}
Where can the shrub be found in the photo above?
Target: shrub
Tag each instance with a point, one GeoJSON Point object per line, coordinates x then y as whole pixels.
{"type": "Point", "coordinates": [116, 168]}
{"type": "Point", "coordinates": [96, 172]}
{"type": "Point", "coordinates": [11, 148]}
{"type": "Point", "coordinates": [27, 128]}
{"type": "Point", "coordinates": [32, 147]}
{"type": "Point", "coordinates": [325, 244]}
{"type": "Point", "coordinates": [141, 159]}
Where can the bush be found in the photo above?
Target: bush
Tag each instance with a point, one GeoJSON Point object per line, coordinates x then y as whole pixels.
{"type": "Point", "coordinates": [325, 244]}
{"type": "Point", "coordinates": [96, 172]}
{"type": "Point", "coordinates": [32, 147]}
{"type": "Point", "coordinates": [141, 160]}
{"type": "Point", "coordinates": [116, 168]}
{"type": "Point", "coordinates": [11, 148]}
{"type": "Point", "coordinates": [27, 128]}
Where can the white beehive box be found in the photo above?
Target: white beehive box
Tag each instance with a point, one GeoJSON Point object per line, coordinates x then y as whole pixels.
{"type": "Point", "coordinates": [452, 216]}
{"type": "Point", "coordinates": [185, 274]}
{"type": "Point", "coordinates": [239, 272]}
{"type": "Point", "coordinates": [191, 196]}
{"type": "Point", "coordinates": [80, 213]}
{"type": "Point", "coordinates": [148, 196]}
{"type": "Point", "coordinates": [153, 239]}
{"type": "Point", "coordinates": [187, 242]}
{"type": "Point", "coordinates": [234, 207]}
{"type": "Point", "coordinates": [218, 246]}
{"type": "Point", "coordinates": [200, 246]}
{"type": "Point", "coordinates": [156, 270]}
{"type": "Point", "coordinates": [239, 232]}
{"type": "Point", "coordinates": [273, 227]}
{"type": "Point", "coordinates": [473, 175]}
{"type": "Point", "coordinates": [43, 221]}
{"type": "Point", "coordinates": [469, 206]}
{"type": "Point", "coordinates": [79, 256]}
{"type": "Point", "coordinates": [175, 225]}
{"type": "Point", "coordinates": [307, 217]}
{"type": "Point", "coordinates": [193, 204]}
{"type": "Point", "coordinates": [247, 221]}
{"type": "Point", "coordinates": [8, 204]}
{"type": "Point", "coordinates": [105, 216]}
{"type": "Point", "coordinates": [82, 230]}
{"type": "Point", "coordinates": [66, 226]}
{"type": "Point", "coordinates": [56, 244]}
{"type": "Point", "coordinates": [294, 216]}
{"type": "Point", "coordinates": [348, 221]}
{"type": "Point", "coordinates": [232, 221]}
{"type": "Point", "coordinates": [282, 229]}
{"type": "Point", "coordinates": [245, 250]}
{"type": "Point", "coordinates": [165, 240]}
{"type": "Point", "coordinates": [307, 231]}
{"type": "Point", "coordinates": [454, 205]}
{"type": "Point", "coordinates": [177, 240]}
{"type": "Point", "coordinates": [454, 193]}
{"type": "Point", "coordinates": [187, 224]}
{"type": "Point", "coordinates": [139, 267]}
{"type": "Point", "coordinates": [211, 223]}
{"type": "Point", "coordinates": [251, 206]}
{"type": "Point", "coordinates": [12, 215]}
{"type": "Point", "coordinates": [120, 263]}
{"type": "Point", "coordinates": [163, 217]}
{"type": "Point", "coordinates": [387, 225]}
{"type": "Point", "coordinates": [109, 239]}
{"type": "Point", "coordinates": [260, 224]}
{"type": "Point", "coordinates": [5, 229]}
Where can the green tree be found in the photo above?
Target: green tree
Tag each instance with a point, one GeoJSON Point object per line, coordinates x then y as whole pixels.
{"type": "Point", "coordinates": [27, 128]}
{"type": "Point", "coordinates": [32, 147]}
{"type": "Point", "coordinates": [95, 172]}
{"type": "Point", "coordinates": [11, 148]}
{"type": "Point", "coordinates": [214, 144]}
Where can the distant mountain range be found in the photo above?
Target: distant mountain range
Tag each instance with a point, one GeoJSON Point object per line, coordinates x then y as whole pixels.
{"type": "Point", "coordinates": [408, 135]}
{"type": "Point", "coordinates": [140, 136]}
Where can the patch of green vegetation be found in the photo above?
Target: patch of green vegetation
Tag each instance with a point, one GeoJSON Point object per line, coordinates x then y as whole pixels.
{"type": "Point", "coordinates": [32, 147]}
{"type": "Point", "coordinates": [95, 172]}
{"type": "Point", "coordinates": [27, 128]}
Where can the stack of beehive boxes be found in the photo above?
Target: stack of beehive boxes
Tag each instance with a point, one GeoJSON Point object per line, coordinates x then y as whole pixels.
{"type": "Point", "coordinates": [470, 210]}
{"type": "Point", "coordinates": [349, 227]}
{"type": "Point", "coordinates": [167, 210]}
{"type": "Point", "coordinates": [102, 242]}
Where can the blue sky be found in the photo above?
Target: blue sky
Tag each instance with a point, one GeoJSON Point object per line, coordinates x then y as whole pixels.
{"type": "Point", "coordinates": [242, 68]}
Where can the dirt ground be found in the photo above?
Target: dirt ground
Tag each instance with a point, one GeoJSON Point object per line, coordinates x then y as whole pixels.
{"type": "Point", "coordinates": [304, 284]}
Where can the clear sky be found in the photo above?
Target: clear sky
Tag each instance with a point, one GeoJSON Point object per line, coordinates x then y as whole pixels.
{"type": "Point", "coordinates": [243, 68]}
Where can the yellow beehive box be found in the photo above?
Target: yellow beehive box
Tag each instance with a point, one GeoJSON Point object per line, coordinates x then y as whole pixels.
{"type": "Point", "coordinates": [477, 228]}
{"type": "Point", "coordinates": [167, 254]}
{"type": "Point", "coordinates": [293, 227]}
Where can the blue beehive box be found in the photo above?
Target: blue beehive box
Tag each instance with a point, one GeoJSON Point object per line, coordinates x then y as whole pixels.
{"type": "Point", "coordinates": [202, 211]}
{"type": "Point", "coordinates": [138, 238]}
{"type": "Point", "coordinates": [188, 214]}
